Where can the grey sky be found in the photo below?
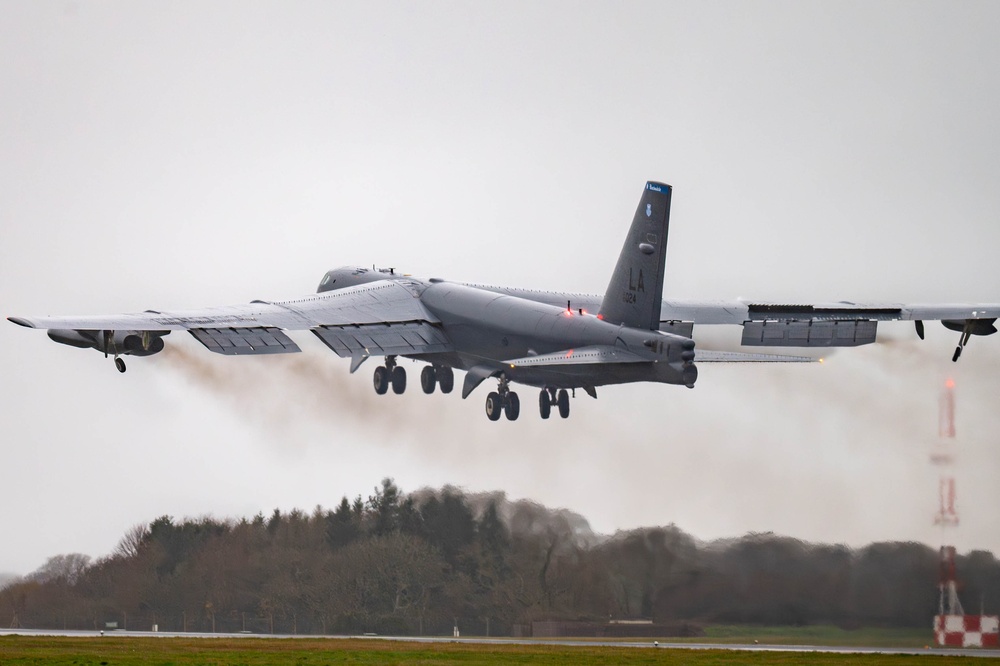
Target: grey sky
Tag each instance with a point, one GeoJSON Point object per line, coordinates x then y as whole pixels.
{"type": "Point", "coordinates": [186, 154]}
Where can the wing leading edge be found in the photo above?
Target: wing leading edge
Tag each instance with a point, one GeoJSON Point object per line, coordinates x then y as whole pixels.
{"type": "Point", "coordinates": [383, 317]}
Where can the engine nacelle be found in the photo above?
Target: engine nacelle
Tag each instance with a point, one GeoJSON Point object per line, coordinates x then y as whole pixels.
{"type": "Point", "coordinates": [142, 344]}
{"type": "Point", "coordinates": [130, 343]}
{"type": "Point", "coordinates": [971, 326]}
{"type": "Point", "coordinates": [81, 339]}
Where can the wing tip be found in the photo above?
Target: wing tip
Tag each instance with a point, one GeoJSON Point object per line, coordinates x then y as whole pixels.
{"type": "Point", "coordinates": [20, 322]}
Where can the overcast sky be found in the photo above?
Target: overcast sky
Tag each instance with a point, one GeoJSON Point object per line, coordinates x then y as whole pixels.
{"type": "Point", "coordinates": [175, 155]}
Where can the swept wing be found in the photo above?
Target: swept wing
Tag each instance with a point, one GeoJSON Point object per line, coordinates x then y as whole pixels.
{"type": "Point", "coordinates": [382, 317]}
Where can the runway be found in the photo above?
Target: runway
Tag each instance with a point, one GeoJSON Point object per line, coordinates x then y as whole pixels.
{"type": "Point", "coordinates": [565, 642]}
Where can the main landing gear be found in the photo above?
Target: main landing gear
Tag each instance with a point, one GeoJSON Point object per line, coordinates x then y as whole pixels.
{"type": "Point", "coordinates": [387, 374]}
{"type": "Point", "coordinates": [549, 397]}
{"type": "Point", "coordinates": [503, 400]}
{"type": "Point", "coordinates": [437, 376]}
{"type": "Point", "coordinates": [431, 377]}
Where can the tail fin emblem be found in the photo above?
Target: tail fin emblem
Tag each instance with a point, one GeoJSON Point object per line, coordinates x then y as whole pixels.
{"type": "Point", "coordinates": [649, 210]}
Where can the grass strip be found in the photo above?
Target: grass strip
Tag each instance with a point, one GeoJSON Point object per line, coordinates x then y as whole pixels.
{"type": "Point", "coordinates": [127, 650]}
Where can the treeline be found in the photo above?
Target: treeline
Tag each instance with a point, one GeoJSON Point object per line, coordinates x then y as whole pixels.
{"type": "Point", "coordinates": [426, 561]}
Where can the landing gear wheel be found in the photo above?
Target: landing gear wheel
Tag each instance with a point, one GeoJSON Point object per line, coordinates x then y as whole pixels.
{"type": "Point", "coordinates": [398, 380]}
{"type": "Point", "coordinates": [428, 378]}
{"type": "Point", "coordinates": [381, 379]}
{"type": "Point", "coordinates": [446, 379]}
{"type": "Point", "coordinates": [958, 352]}
{"type": "Point", "coordinates": [512, 406]}
{"type": "Point", "coordinates": [562, 401]}
{"type": "Point", "coordinates": [494, 405]}
{"type": "Point", "coordinates": [120, 364]}
{"type": "Point", "coordinates": [544, 404]}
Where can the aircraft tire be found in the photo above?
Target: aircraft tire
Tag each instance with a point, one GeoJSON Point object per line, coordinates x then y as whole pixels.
{"type": "Point", "coordinates": [381, 380]}
{"type": "Point", "coordinates": [494, 405]}
{"type": "Point", "coordinates": [544, 404]}
{"type": "Point", "coordinates": [120, 364]}
{"type": "Point", "coordinates": [512, 407]}
{"type": "Point", "coordinates": [398, 380]}
{"type": "Point", "coordinates": [428, 379]}
{"type": "Point", "coordinates": [562, 401]}
{"type": "Point", "coordinates": [446, 379]}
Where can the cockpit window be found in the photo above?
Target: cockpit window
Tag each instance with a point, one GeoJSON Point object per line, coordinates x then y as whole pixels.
{"type": "Point", "coordinates": [326, 280]}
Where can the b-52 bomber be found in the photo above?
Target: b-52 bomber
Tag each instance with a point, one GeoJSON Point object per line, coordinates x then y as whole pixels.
{"type": "Point", "coordinates": [555, 342]}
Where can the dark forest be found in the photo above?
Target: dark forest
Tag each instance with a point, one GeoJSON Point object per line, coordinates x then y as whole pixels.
{"type": "Point", "coordinates": [424, 562]}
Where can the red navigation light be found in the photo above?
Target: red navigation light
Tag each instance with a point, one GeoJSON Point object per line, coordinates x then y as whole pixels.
{"type": "Point", "coordinates": [600, 316]}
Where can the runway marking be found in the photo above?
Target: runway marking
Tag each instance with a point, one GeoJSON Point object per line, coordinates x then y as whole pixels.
{"type": "Point", "coordinates": [565, 642]}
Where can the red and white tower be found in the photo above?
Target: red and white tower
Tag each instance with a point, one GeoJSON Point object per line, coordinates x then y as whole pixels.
{"type": "Point", "coordinates": [943, 456]}
{"type": "Point", "coordinates": [951, 625]}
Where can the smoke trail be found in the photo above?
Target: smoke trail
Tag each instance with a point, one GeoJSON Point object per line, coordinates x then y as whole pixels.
{"type": "Point", "coordinates": [312, 389]}
{"type": "Point", "coordinates": [788, 448]}
{"type": "Point", "coordinates": [281, 391]}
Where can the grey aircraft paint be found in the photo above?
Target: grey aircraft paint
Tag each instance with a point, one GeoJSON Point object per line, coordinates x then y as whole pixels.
{"type": "Point", "coordinates": [636, 288]}
{"type": "Point", "coordinates": [556, 342]}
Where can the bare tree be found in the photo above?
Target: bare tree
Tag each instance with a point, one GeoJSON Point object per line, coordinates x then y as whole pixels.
{"type": "Point", "coordinates": [62, 568]}
{"type": "Point", "coordinates": [132, 542]}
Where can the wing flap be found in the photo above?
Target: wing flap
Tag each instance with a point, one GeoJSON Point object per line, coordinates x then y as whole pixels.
{"type": "Point", "coordinates": [816, 333]}
{"type": "Point", "coordinates": [244, 341]}
{"type": "Point", "coordinates": [415, 337]}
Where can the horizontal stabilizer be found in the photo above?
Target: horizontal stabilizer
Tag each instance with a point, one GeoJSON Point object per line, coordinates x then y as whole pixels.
{"type": "Point", "coordinates": [582, 356]}
{"type": "Point", "coordinates": [707, 356]}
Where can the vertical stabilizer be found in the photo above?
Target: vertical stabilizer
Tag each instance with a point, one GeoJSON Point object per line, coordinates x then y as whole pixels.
{"type": "Point", "coordinates": [636, 289]}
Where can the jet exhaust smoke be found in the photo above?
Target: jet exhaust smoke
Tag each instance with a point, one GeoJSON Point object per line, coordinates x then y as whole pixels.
{"type": "Point", "coordinates": [808, 449]}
